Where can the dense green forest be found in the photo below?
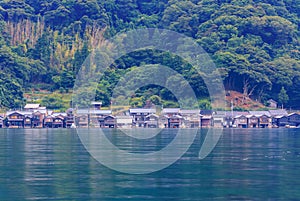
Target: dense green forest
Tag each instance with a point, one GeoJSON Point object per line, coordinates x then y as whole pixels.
{"type": "Point", "coordinates": [254, 43]}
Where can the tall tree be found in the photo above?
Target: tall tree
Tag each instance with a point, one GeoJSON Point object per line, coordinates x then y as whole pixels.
{"type": "Point", "coordinates": [283, 98]}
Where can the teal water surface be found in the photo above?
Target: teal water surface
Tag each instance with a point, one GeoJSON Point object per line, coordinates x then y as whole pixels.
{"type": "Point", "coordinates": [247, 164]}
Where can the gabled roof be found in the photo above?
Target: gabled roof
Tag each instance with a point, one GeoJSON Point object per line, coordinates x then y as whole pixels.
{"type": "Point", "coordinates": [12, 112]}
{"type": "Point", "coordinates": [49, 116]}
{"type": "Point", "coordinates": [111, 116]}
{"type": "Point", "coordinates": [50, 112]}
{"type": "Point", "coordinates": [163, 117]}
{"type": "Point", "coordinates": [36, 112]}
{"type": "Point", "coordinates": [279, 116]}
{"type": "Point", "coordinates": [170, 110]}
{"type": "Point", "coordinates": [54, 117]}
{"type": "Point", "coordinates": [240, 116]}
{"type": "Point", "coordinates": [271, 100]}
{"type": "Point", "coordinates": [260, 113]}
{"type": "Point", "coordinates": [18, 112]}
{"type": "Point", "coordinates": [175, 116]}
{"type": "Point", "coordinates": [152, 115]}
{"type": "Point", "coordinates": [229, 113]}
{"type": "Point", "coordinates": [293, 114]}
{"type": "Point", "coordinates": [59, 117]}
{"type": "Point", "coordinates": [42, 111]}
{"type": "Point", "coordinates": [238, 113]}
{"type": "Point", "coordinates": [142, 110]}
{"type": "Point", "coordinates": [32, 106]}
{"type": "Point", "coordinates": [59, 114]}
{"type": "Point", "coordinates": [252, 115]}
{"type": "Point", "coordinates": [70, 110]}
{"type": "Point", "coordinates": [26, 113]}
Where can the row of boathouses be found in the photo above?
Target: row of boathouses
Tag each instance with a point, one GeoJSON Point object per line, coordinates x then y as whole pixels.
{"type": "Point", "coordinates": [35, 116]}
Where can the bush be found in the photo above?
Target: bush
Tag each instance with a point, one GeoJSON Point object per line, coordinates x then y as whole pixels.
{"type": "Point", "coordinates": [205, 104]}
{"type": "Point", "coordinates": [52, 102]}
{"type": "Point", "coordinates": [170, 104]}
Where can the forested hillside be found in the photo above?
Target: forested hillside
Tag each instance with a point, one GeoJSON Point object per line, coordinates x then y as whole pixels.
{"type": "Point", "coordinates": [254, 43]}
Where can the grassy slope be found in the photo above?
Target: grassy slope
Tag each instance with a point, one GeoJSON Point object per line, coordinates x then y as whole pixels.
{"type": "Point", "coordinates": [237, 98]}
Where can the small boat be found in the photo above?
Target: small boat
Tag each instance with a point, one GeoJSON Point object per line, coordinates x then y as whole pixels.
{"type": "Point", "coordinates": [289, 126]}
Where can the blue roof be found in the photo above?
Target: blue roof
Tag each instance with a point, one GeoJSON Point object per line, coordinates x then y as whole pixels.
{"type": "Point", "coordinates": [206, 112]}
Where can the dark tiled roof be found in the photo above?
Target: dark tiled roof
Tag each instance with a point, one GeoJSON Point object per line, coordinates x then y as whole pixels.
{"type": "Point", "coordinates": [206, 112]}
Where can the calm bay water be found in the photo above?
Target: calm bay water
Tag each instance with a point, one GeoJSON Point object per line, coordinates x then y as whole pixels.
{"type": "Point", "coordinates": [247, 164]}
